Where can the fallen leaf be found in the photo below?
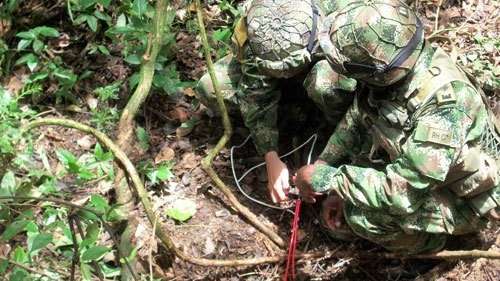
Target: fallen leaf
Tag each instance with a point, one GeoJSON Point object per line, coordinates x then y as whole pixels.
{"type": "Point", "coordinates": [85, 142]}
{"type": "Point", "coordinates": [15, 85]}
{"type": "Point", "coordinates": [183, 131]}
{"type": "Point", "coordinates": [189, 161]}
{"type": "Point", "coordinates": [92, 102]}
{"type": "Point", "coordinates": [179, 113]}
{"type": "Point", "coordinates": [166, 154]}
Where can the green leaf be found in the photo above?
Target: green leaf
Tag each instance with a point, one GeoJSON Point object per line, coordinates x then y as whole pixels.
{"type": "Point", "coordinates": [4, 264]}
{"type": "Point", "coordinates": [164, 172]}
{"type": "Point", "coordinates": [23, 44]}
{"type": "Point", "coordinates": [65, 76]}
{"type": "Point", "coordinates": [91, 236]}
{"type": "Point", "coordinates": [39, 241]}
{"type": "Point", "coordinates": [8, 184]}
{"type": "Point", "coordinates": [46, 31]}
{"type": "Point", "coordinates": [29, 59]}
{"type": "Point", "coordinates": [20, 255]}
{"type": "Point", "coordinates": [139, 7]}
{"type": "Point", "coordinates": [92, 23]}
{"type": "Point", "coordinates": [13, 229]}
{"type": "Point", "coordinates": [103, 50]}
{"type": "Point", "coordinates": [19, 274]}
{"type": "Point", "coordinates": [104, 3]}
{"type": "Point", "coordinates": [30, 35]}
{"type": "Point", "coordinates": [222, 34]}
{"type": "Point", "coordinates": [99, 202]}
{"type": "Point", "coordinates": [81, 19]}
{"type": "Point", "coordinates": [182, 210]}
{"type": "Point", "coordinates": [94, 253]}
{"type": "Point", "coordinates": [143, 137]}
{"type": "Point", "coordinates": [121, 21]}
{"type": "Point", "coordinates": [38, 46]}
{"type": "Point", "coordinates": [133, 59]}
{"type": "Point", "coordinates": [85, 270]}
{"type": "Point", "coordinates": [102, 16]}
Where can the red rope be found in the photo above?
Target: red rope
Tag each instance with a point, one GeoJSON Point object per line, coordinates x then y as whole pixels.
{"type": "Point", "coordinates": [290, 262]}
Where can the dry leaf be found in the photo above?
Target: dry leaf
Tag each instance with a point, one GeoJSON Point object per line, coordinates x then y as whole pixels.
{"type": "Point", "coordinates": [166, 154]}
{"type": "Point", "coordinates": [179, 113]}
{"type": "Point", "coordinates": [183, 131]}
{"type": "Point", "coordinates": [15, 85]}
{"type": "Point", "coordinates": [92, 102]}
{"type": "Point", "coordinates": [189, 161]}
{"type": "Point", "coordinates": [86, 142]}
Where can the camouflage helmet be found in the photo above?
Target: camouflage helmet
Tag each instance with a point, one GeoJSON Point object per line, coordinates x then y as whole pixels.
{"type": "Point", "coordinates": [377, 41]}
{"type": "Point", "coordinates": [281, 35]}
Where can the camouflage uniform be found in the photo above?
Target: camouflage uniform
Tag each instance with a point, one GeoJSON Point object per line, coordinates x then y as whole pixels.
{"type": "Point", "coordinates": [274, 40]}
{"type": "Point", "coordinates": [424, 149]}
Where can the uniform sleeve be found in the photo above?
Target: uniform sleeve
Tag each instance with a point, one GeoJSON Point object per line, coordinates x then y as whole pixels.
{"type": "Point", "coordinates": [427, 155]}
{"type": "Point", "coordinates": [344, 139]}
{"type": "Point", "coordinates": [258, 100]}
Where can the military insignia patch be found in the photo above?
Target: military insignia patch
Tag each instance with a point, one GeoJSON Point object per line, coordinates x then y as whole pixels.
{"type": "Point", "coordinates": [445, 97]}
{"type": "Point", "coordinates": [428, 133]}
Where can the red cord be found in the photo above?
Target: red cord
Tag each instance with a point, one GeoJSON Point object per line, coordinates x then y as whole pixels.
{"type": "Point", "coordinates": [290, 262]}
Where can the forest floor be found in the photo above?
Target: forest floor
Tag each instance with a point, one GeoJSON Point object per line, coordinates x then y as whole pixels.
{"type": "Point", "coordinates": [468, 30]}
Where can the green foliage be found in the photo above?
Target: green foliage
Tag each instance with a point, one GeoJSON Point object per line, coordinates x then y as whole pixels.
{"type": "Point", "coordinates": [158, 173]}
{"type": "Point", "coordinates": [109, 92]}
{"type": "Point", "coordinates": [182, 210]}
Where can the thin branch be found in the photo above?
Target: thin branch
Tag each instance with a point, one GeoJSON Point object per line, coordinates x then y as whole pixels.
{"type": "Point", "coordinates": [206, 163]}
{"type": "Point", "coordinates": [25, 267]}
{"type": "Point", "coordinates": [74, 260]}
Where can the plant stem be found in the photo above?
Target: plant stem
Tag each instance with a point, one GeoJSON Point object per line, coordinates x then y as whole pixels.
{"type": "Point", "coordinates": [206, 163]}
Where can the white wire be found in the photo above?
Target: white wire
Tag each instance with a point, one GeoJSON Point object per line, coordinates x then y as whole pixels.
{"type": "Point", "coordinates": [238, 180]}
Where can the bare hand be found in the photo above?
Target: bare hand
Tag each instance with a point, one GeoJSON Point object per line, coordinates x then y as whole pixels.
{"type": "Point", "coordinates": [303, 181]}
{"type": "Point", "coordinates": [277, 177]}
{"type": "Point", "coordinates": [332, 212]}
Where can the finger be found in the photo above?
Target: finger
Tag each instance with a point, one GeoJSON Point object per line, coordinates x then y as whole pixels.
{"type": "Point", "coordinates": [272, 193]}
{"type": "Point", "coordinates": [278, 189]}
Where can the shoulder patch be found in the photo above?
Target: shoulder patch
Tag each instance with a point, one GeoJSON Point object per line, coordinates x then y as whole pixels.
{"type": "Point", "coordinates": [446, 96]}
{"type": "Point", "coordinates": [428, 133]}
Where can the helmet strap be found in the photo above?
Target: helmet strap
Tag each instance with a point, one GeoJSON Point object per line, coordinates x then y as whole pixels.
{"type": "Point", "coordinates": [312, 38]}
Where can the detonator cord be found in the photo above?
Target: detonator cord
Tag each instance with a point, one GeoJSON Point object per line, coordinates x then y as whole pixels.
{"type": "Point", "coordinates": [237, 180]}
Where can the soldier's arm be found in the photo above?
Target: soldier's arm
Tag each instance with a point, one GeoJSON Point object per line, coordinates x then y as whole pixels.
{"type": "Point", "coordinates": [258, 99]}
{"type": "Point", "coordinates": [345, 138]}
{"type": "Point", "coordinates": [428, 153]}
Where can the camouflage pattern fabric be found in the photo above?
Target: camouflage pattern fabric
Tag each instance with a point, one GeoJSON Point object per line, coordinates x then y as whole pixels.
{"type": "Point", "coordinates": [257, 96]}
{"type": "Point", "coordinates": [250, 76]}
{"type": "Point", "coordinates": [425, 137]}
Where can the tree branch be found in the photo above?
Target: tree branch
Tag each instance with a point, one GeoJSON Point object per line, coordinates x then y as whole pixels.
{"type": "Point", "coordinates": [206, 163]}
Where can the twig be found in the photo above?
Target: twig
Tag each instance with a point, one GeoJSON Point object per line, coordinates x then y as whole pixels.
{"type": "Point", "coordinates": [206, 163]}
{"type": "Point", "coordinates": [74, 260]}
{"type": "Point", "coordinates": [32, 270]}
{"type": "Point", "coordinates": [436, 22]}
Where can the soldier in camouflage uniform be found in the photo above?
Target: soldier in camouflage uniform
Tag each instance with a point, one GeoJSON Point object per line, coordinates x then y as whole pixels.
{"type": "Point", "coordinates": [274, 40]}
{"type": "Point", "coordinates": [420, 140]}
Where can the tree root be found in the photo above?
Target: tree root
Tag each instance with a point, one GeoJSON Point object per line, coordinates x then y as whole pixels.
{"type": "Point", "coordinates": [126, 129]}
{"type": "Point", "coordinates": [207, 161]}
